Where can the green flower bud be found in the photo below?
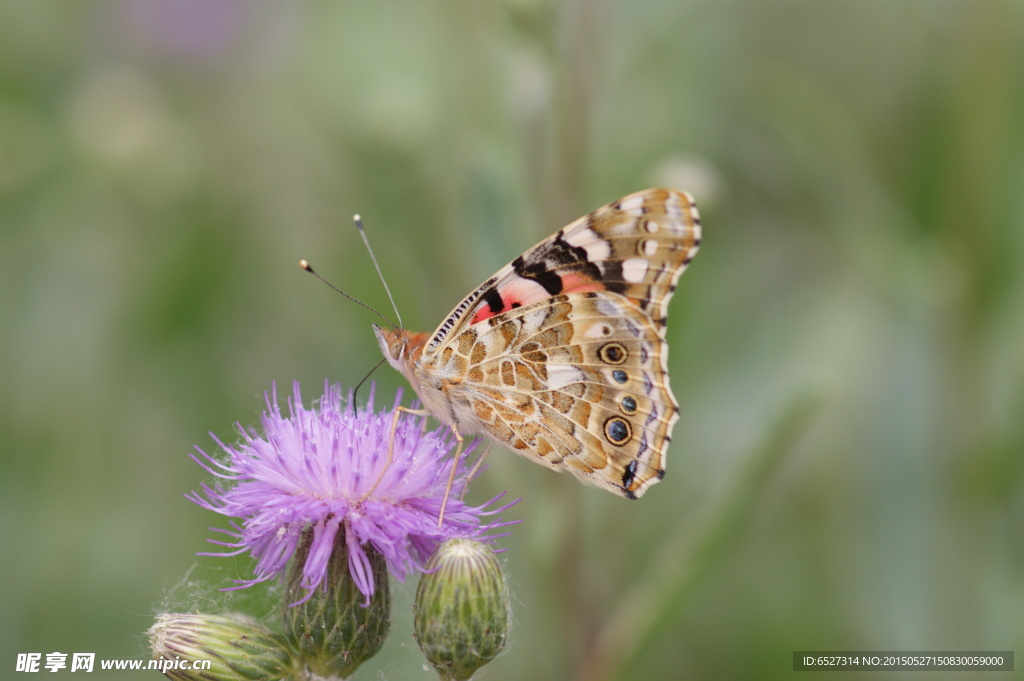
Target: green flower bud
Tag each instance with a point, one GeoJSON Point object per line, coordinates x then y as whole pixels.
{"type": "Point", "coordinates": [237, 648]}
{"type": "Point", "coordinates": [334, 628]}
{"type": "Point", "coordinates": [462, 611]}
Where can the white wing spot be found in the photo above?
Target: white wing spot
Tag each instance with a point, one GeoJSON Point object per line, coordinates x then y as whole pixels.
{"type": "Point", "coordinates": [561, 375]}
{"type": "Point", "coordinates": [579, 237]}
{"type": "Point", "coordinates": [674, 208]}
{"type": "Point", "coordinates": [533, 320]}
{"type": "Point", "coordinates": [634, 270]}
{"type": "Point", "coordinates": [608, 307]}
{"type": "Point", "coordinates": [651, 226]}
{"type": "Point", "coordinates": [650, 247]}
{"type": "Point", "coordinates": [634, 205]}
{"type": "Point", "coordinates": [597, 249]}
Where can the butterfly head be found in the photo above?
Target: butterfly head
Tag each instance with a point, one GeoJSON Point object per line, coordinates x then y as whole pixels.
{"type": "Point", "coordinates": [400, 347]}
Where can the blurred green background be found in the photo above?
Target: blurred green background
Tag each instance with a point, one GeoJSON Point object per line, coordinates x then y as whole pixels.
{"type": "Point", "coordinates": [848, 348]}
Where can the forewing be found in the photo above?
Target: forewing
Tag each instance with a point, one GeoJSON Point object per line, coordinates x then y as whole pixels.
{"type": "Point", "coordinates": [635, 247]}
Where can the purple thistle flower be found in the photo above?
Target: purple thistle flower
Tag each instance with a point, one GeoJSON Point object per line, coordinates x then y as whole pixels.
{"type": "Point", "coordinates": [310, 471]}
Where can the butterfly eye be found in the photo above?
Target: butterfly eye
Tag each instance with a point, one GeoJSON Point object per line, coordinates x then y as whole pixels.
{"type": "Point", "coordinates": [396, 349]}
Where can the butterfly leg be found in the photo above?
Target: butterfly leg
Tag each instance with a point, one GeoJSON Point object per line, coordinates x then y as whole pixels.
{"type": "Point", "coordinates": [391, 445]}
{"type": "Point", "coordinates": [476, 468]}
{"type": "Point", "coordinates": [451, 475]}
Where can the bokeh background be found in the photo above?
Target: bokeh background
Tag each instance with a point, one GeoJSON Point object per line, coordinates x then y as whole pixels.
{"type": "Point", "coordinates": [848, 347]}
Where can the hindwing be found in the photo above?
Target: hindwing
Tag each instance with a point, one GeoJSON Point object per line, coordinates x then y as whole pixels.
{"type": "Point", "coordinates": [579, 382]}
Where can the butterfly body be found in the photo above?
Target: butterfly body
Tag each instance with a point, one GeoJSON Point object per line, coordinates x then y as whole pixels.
{"type": "Point", "coordinates": [561, 356]}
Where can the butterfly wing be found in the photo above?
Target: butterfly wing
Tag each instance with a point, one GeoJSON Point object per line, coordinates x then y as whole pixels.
{"type": "Point", "coordinates": [562, 353]}
{"type": "Point", "coordinates": [637, 246]}
{"type": "Point", "coordinates": [578, 381]}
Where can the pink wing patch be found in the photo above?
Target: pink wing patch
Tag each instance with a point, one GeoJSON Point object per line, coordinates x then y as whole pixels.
{"type": "Point", "coordinates": [521, 291]}
{"type": "Point", "coordinates": [578, 282]}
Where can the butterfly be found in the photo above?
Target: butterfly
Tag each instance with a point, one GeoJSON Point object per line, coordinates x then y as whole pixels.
{"type": "Point", "coordinates": [561, 356]}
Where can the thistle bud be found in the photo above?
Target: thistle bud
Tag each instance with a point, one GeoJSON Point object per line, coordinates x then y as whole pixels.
{"type": "Point", "coordinates": [335, 627]}
{"type": "Point", "coordinates": [236, 647]}
{"type": "Point", "coordinates": [462, 611]}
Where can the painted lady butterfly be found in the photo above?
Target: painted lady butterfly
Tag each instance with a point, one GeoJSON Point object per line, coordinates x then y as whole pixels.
{"type": "Point", "coordinates": [561, 355]}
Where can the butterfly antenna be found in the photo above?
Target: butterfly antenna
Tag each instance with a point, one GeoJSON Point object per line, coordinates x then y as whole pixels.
{"type": "Point", "coordinates": [309, 268]}
{"type": "Point", "coordinates": [362, 233]}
